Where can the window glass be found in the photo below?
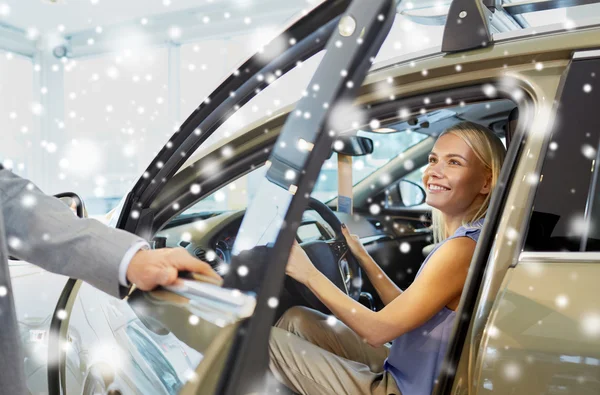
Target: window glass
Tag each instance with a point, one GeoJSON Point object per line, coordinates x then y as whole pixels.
{"type": "Point", "coordinates": [157, 361]}
{"type": "Point", "coordinates": [234, 196]}
{"type": "Point", "coordinates": [566, 209]}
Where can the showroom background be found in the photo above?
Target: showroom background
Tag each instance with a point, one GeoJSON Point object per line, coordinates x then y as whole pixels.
{"type": "Point", "coordinates": [90, 90]}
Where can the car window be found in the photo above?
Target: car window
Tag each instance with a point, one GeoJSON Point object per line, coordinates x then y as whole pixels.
{"type": "Point", "coordinates": [235, 195]}
{"type": "Point", "coordinates": [566, 209]}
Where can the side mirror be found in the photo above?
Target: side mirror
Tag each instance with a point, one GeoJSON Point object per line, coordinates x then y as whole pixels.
{"type": "Point", "coordinates": [352, 145]}
{"type": "Point", "coordinates": [411, 194]}
{"type": "Point", "coordinates": [74, 202]}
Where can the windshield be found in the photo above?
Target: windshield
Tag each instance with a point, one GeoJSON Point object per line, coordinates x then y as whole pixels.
{"type": "Point", "coordinates": [238, 194]}
{"type": "Point", "coordinates": [385, 148]}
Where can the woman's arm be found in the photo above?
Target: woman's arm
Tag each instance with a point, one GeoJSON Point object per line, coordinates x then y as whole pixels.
{"type": "Point", "coordinates": [440, 282]}
{"type": "Point", "coordinates": [385, 287]}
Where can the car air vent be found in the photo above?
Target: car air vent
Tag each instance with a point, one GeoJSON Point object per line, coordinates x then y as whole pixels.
{"type": "Point", "coordinates": [376, 223]}
{"type": "Point", "coordinates": [184, 243]}
{"type": "Point", "coordinates": [200, 254]}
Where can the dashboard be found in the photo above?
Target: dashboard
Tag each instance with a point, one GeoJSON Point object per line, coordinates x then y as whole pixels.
{"type": "Point", "coordinates": [211, 238]}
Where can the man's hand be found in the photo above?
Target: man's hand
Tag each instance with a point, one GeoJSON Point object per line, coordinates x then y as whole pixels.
{"type": "Point", "coordinates": [151, 268]}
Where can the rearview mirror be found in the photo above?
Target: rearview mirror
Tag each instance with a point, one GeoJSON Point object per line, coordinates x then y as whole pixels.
{"type": "Point", "coordinates": [74, 202]}
{"type": "Point", "coordinates": [353, 145]}
{"type": "Point", "coordinates": [411, 194]}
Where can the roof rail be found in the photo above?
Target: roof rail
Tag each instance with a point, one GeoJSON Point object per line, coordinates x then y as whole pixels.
{"type": "Point", "coordinates": [541, 5]}
{"type": "Point", "coordinates": [467, 25]}
{"type": "Point", "coordinates": [468, 21]}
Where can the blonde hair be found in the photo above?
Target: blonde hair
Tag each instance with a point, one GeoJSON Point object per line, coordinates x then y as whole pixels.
{"type": "Point", "coordinates": [488, 148]}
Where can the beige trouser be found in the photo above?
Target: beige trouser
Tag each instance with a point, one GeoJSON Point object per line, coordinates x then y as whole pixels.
{"type": "Point", "coordinates": [312, 357]}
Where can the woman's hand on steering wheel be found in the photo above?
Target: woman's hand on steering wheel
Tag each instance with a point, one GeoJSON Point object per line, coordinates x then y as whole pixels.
{"type": "Point", "coordinates": [299, 265]}
{"type": "Point", "coordinates": [354, 243]}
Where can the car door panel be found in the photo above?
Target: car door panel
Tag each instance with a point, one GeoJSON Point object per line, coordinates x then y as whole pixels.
{"type": "Point", "coordinates": [550, 295]}
{"type": "Point", "coordinates": [544, 326]}
{"type": "Point", "coordinates": [536, 317]}
{"type": "Point", "coordinates": [112, 346]}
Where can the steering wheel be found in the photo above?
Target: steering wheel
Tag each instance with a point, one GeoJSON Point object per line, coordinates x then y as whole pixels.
{"type": "Point", "coordinates": [333, 258]}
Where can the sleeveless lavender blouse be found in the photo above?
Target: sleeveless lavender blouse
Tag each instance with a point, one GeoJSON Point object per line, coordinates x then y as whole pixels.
{"type": "Point", "coordinates": [416, 356]}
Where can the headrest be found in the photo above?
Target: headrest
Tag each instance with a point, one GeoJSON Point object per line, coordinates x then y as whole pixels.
{"type": "Point", "coordinates": [511, 126]}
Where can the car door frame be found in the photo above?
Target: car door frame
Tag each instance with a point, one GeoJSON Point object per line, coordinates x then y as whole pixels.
{"type": "Point", "coordinates": [497, 250]}
{"type": "Point", "coordinates": [571, 99]}
{"type": "Point", "coordinates": [236, 90]}
{"type": "Point", "coordinates": [209, 115]}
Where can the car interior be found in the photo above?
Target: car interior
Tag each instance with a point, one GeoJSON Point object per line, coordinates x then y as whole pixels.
{"type": "Point", "coordinates": [396, 233]}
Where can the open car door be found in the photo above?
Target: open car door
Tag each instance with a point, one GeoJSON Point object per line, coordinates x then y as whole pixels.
{"type": "Point", "coordinates": [203, 338]}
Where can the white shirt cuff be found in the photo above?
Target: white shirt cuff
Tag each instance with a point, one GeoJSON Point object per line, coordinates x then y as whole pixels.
{"type": "Point", "coordinates": [140, 245]}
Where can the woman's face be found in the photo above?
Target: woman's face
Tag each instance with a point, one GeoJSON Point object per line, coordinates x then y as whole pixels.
{"type": "Point", "coordinates": [456, 181]}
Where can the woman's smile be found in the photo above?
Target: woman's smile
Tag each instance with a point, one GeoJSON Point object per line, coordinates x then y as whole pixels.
{"type": "Point", "coordinates": [436, 188]}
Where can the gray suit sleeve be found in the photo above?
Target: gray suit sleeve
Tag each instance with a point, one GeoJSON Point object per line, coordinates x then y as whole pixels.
{"type": "Point", "coordinates": [42, 230]}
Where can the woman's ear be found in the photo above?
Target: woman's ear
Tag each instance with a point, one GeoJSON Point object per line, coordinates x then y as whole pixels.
{"type": "Point", "coordinates": [487, 186]}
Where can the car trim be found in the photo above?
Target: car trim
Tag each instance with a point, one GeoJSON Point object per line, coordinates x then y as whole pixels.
{"type": "Point", "coordinates": [468, 305]}
{"type": "Point", "coordinates": [57, 381]}
{"type": "Point", "coordinates": [514, 35]}
{"type": "Point", "coordinates": [542, 5]}
{"type": "Point", "coordinates": [411, 57]}
{"type": "Point", "coordinates": [537, 31]}
{"type": "Point", "coordinates": [594, 53]}
{"type": "Point", "coordinates": [555, 257]}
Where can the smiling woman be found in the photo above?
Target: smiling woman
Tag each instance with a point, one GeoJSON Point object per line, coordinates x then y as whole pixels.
{"type": "Point", "coordinates": [463, 170]}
